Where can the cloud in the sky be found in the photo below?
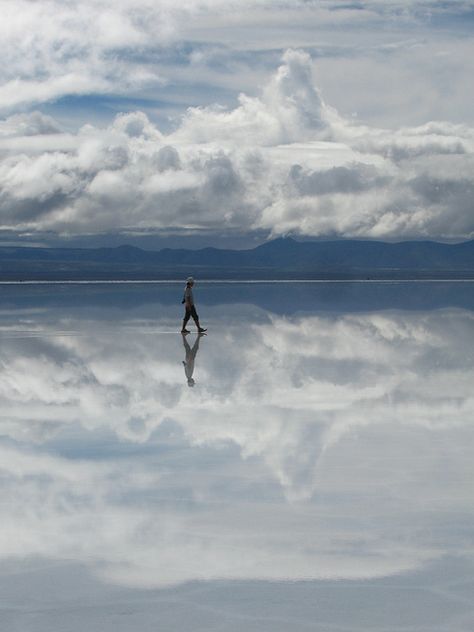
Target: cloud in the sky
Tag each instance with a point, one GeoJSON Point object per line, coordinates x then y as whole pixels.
{"type": "Point", "coordinates": [53, 49]}
{"type": "Point", "coordinates": [284, 162]}
{"type": "Point", "coordinates": [264, 139]}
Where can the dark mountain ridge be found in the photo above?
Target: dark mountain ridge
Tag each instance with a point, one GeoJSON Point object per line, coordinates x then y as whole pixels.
{"type": "Point", "coordinates": [280, 258]}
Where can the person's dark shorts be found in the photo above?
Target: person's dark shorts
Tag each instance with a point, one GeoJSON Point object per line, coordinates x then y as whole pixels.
{"type": "Point", "coordinates": [191, 312]}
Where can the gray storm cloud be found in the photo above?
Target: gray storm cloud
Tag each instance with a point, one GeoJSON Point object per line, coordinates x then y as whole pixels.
{"type": "Point", "coordinates": [284, 162]}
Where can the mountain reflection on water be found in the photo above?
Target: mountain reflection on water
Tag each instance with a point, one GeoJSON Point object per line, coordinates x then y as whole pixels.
{"type": "Point", "coordinates": [314, 446]}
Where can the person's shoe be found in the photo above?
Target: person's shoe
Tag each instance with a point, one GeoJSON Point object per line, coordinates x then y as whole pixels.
{"type": "Point", "coordinates": [185, 331]}
{"type": "Point", "coordinates": [201, 330]}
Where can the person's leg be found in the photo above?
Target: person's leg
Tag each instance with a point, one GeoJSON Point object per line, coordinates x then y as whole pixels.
{"type": "Point", "coordinates": [196, 319]}
{"type": "Point", "coordinates": [187, 316]}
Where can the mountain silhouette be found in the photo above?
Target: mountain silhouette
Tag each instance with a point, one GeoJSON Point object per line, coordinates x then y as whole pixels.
{"type": "Point", "coordinates": [282, 258]}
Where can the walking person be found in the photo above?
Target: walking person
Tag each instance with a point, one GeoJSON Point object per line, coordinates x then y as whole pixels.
{"type": "Point", "coordinates": [188, 301]}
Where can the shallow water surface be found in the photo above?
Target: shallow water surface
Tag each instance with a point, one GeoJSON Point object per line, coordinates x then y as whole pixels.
{"type": "Point", "coordinates": [307, 465]}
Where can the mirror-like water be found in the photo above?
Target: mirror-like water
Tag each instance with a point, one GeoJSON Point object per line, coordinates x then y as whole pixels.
{"type": "Point", "coordinates": [307, 464]}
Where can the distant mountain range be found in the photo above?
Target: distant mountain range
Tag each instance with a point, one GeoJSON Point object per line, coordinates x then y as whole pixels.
{"type": "Point", "coordinates": [282, 258]}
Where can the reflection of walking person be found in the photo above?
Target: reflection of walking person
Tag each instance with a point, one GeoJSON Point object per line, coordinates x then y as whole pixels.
{"type": "Point", "coordinates": [190, 357]}
{"type": "Point", "coordinates": [188, 301]}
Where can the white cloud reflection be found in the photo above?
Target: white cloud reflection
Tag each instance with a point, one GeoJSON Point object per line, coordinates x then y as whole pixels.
{"type": "Point", "coordinates": [310, 447]}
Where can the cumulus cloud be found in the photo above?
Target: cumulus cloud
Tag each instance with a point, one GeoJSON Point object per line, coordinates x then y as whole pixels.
{"type": "Point", "coordinates": [51, 49]}
{"type": "Point", "coordinates": [32, 124]}
{"type": "Point", "coordinates": [289, 110]}
{"type": "Point", "coordinates": [134, 48]}
{"type": "Point", "coordinates": [283, 162]}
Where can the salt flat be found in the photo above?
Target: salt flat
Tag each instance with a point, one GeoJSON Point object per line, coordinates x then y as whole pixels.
{"type": "Point", "coordinates": [306, 465]}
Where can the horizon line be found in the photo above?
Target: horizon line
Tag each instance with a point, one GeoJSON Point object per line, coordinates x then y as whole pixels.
{"type": "Point", "coordinates": [226, 281]}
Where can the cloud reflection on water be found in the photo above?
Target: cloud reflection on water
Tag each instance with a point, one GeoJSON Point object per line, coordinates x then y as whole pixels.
{"type": "Point", "coordinates": [314, 446]}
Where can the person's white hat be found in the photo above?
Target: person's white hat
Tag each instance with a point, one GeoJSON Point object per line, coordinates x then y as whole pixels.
{"type": "Point", "coordinates": [190, 280]}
